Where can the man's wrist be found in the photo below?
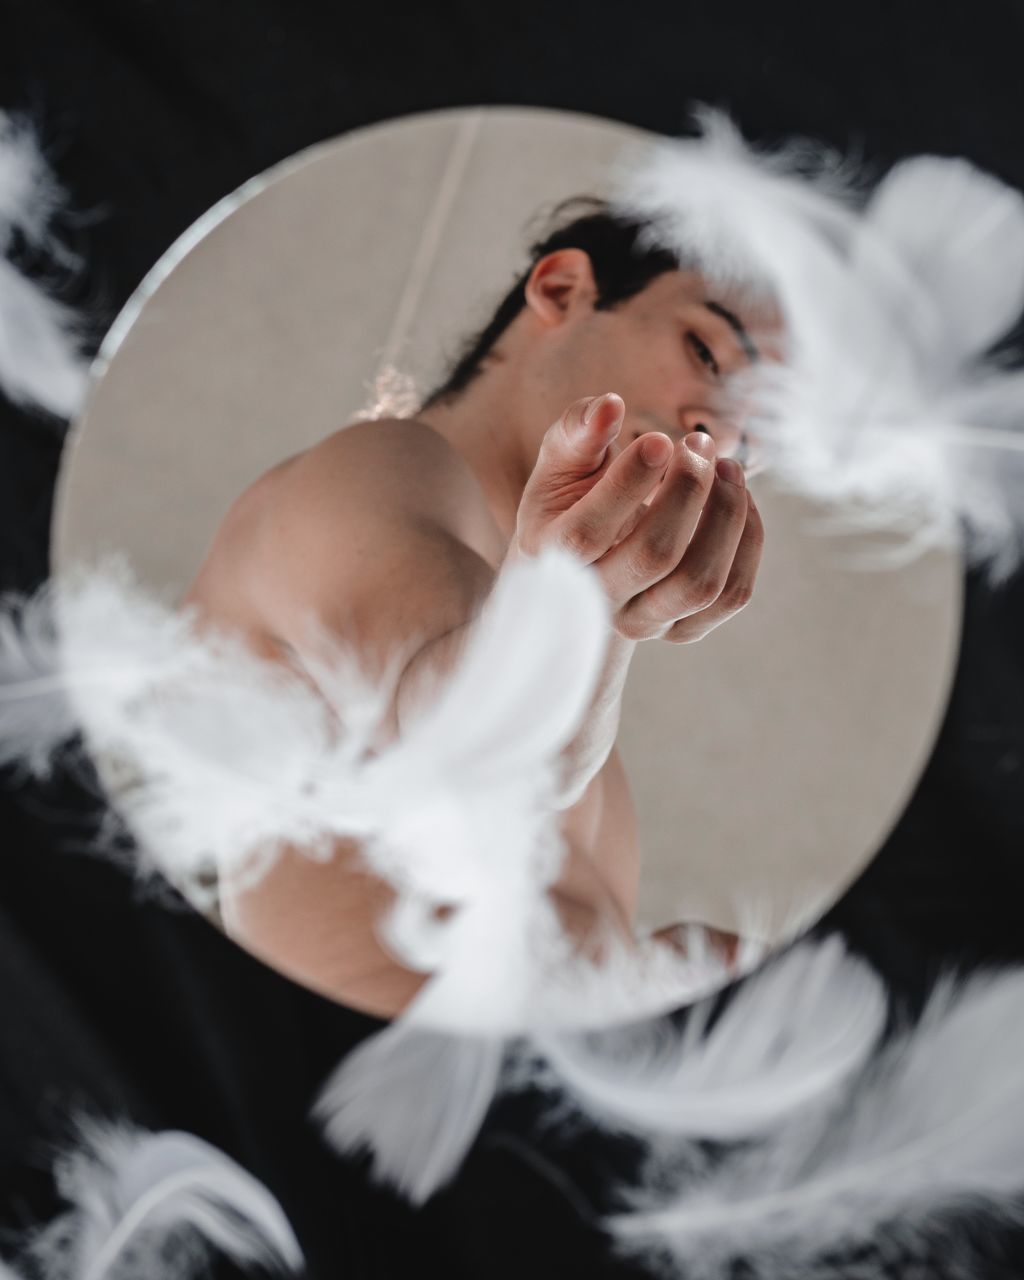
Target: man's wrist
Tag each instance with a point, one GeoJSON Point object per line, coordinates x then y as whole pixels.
{"type": "Point", "coordinates": [590, 748]}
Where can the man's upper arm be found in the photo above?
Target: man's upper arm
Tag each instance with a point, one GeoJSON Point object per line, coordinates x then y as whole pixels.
{"type": "Point", "coordinates": [365, 533]}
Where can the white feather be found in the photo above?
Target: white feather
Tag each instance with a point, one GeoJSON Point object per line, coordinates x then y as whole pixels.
{"type": "Point", "coordinates": [934, 1124]}
{"type": "Point", "coordinates": [966, 256]}
{"type": "Point", "coordinates": [754, 1068]}
{"type": "Point", "coordinates": [415, 1098]}
{"type": "Point", "coordinates": [29, 193]}
{"type": "Point", "coordinates": [235, 754]}
{"type": "Point", "coordinates": [40, 358]}
{"type": "Point", "coordinates": [882, 407]}
{"type": "Point", "coordinates": [230, 748]}
{"type": "Point", "coordinates": [36, 715]}
{"type": "Point", "coordinates": [156, 1204]}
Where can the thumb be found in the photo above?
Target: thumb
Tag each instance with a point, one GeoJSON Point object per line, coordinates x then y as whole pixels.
{"type": "Point", "coordinates": [569, 464]}
{"type": "Point", "coordinates": [574, 448]}
{"type": "Point", "coordinates": [588, 426]}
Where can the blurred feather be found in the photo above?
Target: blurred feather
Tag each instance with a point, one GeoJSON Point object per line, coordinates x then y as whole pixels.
{"type": "Point", "coordinates": [36, 715]}
{"type": "Point", "coordinates": [754, 1068]}
{"type": "Point", "coordinates": [40, 360]}
{"type": "Point", "coordinates": [932, 1125]}
{"type": "Point", "coordinates": [235, 754]}
{"type": "Point", "coordinates": [232, 749]}
{"type": "Point", "coordinates": [966, 256]}
{"type": "Point", "coordinates": [30, 195]}
{"type": "Point", "coordinates": [471, 788]}
{"type": "Point", "coordinates": [881, 404]}
{"type": "Point", "coordinates": [147, 690]}
{"type": "Point", "coordinates": [156, 1204]}
{"type": "Point", "coordinates": [415, 1098]}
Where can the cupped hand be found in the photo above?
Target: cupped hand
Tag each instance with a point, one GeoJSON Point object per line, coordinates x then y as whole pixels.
{"type": "Point", "coordinates": [671, 530]}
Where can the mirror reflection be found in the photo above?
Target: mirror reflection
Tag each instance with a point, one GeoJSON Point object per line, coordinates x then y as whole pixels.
{"type": "Point", "coordinates": [735, 639]}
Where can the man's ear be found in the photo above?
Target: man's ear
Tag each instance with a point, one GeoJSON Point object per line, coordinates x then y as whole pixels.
{"type": "Point", "coordinates": [559, 282]}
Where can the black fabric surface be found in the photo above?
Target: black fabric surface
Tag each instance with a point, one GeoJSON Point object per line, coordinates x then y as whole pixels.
{"type": "Point", "coordinates": [150, 112]}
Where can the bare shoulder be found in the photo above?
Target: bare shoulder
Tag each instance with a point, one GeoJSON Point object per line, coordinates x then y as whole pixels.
{"type": "Point", "coordinates": [335, 510]}
{"type": "Point", "coordinates": [383, 464]}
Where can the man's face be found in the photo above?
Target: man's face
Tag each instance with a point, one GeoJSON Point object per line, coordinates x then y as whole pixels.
{"type": "Point", "coordinates": [669, 352]}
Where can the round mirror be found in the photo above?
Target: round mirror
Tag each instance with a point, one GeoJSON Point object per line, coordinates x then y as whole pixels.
{"type": "Point", "coordinates": [766, 763]}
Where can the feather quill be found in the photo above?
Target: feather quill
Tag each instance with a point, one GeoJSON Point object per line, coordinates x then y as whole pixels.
{"type": "Point", "coordinates": [156, 1204]}
{"type": "Point", "coordinates": [883, 406]}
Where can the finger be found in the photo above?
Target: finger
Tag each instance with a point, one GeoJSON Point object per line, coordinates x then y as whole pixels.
{"type": "Point", "coordinates": [739, 586]}
{"type": "Point", "coordinates": [655, 546]}
{"type": "Point", "coordinates": [573, 452]}
{"type": "Point", "coordinates": [589, 424]}
{"type": "Point", "coordinates": [616, 501]}
{"type": "Point", "coordinates": [703, 570]}
{"type": "Point", "coordinates": [574, 445]}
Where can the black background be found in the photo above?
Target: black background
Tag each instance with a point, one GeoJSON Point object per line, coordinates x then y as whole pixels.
{"type": "Point", "coordinates": [150, 112]}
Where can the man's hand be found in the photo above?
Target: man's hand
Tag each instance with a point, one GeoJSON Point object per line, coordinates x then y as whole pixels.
{"type": "Point", "coordinates": [676, 540]}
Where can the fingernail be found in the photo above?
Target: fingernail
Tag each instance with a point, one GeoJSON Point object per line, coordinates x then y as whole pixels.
{"type": "Point", "coordinates": [729, 469]}
{"type": "Point", "coordinates": [700, 442]}
{"type": "Point", "coordinates": [592, 408]}
{"type": "Point", "coordinates": [655, 449]}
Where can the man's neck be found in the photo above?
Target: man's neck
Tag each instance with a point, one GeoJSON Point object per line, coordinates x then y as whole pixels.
{"type": "Point", "coordinates": [482, 425]}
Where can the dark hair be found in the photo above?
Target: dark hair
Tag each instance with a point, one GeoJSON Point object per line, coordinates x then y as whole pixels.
{"type": "Point", "coordinates": [624, 259]}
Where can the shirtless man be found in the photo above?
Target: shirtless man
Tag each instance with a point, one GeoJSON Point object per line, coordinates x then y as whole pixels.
{"type": "Point", "coordinates": [396, 528]}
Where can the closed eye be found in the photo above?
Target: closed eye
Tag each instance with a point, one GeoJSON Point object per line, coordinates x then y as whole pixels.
{"type": "Point", "coordinates": [704, 352]}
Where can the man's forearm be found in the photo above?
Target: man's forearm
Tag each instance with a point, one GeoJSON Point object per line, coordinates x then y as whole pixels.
{"type": "Point", "coordinates": [590, 747]}
{"type": "Point", "coordinates": [586, 754]}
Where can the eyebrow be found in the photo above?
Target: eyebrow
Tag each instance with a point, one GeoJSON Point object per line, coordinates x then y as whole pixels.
{"type": "Point", "coordinates": [744, 338]}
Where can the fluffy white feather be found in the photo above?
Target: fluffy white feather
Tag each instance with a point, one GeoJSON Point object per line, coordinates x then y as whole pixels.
{"type": "Point", "coordinates": [235, 754]}
{"type": "Point", "coordinates": [29, 193]}
{"type": "Point", "coordinates": [231, 750]}
{"type": "Point", "coordinates": [882, 406]}
{"type": "Point", "coordinates": [36, 715]}
{"type": "Point", "coordinates": [966, 257]}
{"type": "Point", "coordinates": [40, 358]}
{"type": "Point", "coordinates": [155, 1204]}
{"type": "Point", "coordinates": [150, 692]}
{"type": "Point", "coordinates": [471, 788]}
{"type": "Point", "coordinates": [459, 810]}
{"type": "Point", "coordinates": [931, 1125]}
